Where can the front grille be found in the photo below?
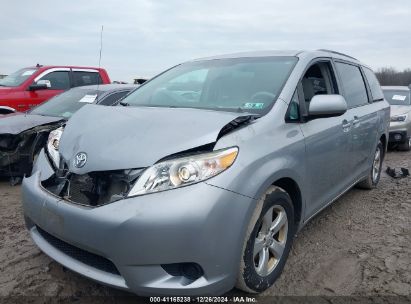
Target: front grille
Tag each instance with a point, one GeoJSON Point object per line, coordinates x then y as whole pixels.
{"type": "Point", "coordinates": [79, 188]}
{"type": "Point", "coordinates": [80, 255]}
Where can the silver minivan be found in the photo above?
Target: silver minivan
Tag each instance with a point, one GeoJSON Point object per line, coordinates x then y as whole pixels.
{"type": "Point", "coordinates": [200, 179]}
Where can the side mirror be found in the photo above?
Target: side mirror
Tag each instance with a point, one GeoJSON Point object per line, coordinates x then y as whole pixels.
{"type": "Point", "coordinates": [323, 106]}
{"type": "Point", "coordinates": [6, 110]}
{"type": "Point", "coordinates": [40, 85]}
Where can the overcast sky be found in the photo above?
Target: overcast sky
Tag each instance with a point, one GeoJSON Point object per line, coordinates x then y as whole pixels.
{"type": "Point", "coordinates": [143, 37]}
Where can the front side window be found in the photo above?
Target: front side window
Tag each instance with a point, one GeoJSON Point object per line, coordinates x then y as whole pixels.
{"type": "Point", "coordinates": [59, 80]}
{"type": "Point", "coordinates": [240, 84]}
{"type": "Point", "coordinates": [17, 78]}
{"type": "Point", "coordinates": [81, 78]}
{"type": "Point", "coordinates": [316, 81]}
{"type": "Point", "coordinates": [319, 79]}
{"type": "Point", "coordinates": [374, 84]}
{"type": "Point", "coordinates": [353, 84]}
{"type": "Point", "coordinates": [397, 97]}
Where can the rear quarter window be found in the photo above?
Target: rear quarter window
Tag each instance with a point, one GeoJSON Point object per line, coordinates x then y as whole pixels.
{"type": "Point", "coordinates": [376, 91]}
{"type": "Point", "coordinates": [353, 84]}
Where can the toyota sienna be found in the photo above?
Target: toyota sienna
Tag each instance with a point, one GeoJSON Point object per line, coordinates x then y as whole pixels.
{"type": "Point", "coordinates": [200, 179]}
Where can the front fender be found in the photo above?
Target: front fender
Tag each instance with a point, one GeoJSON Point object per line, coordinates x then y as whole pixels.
{"type": "Point", "coordinates": [267, 153]}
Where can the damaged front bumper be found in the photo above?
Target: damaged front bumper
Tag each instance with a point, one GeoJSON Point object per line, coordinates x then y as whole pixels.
{"type": "Point", "coordinates": [138, 243]}
{"type": "Point", "coordinates": [17, 151]}
{"type": "Point", "coordinates": [15, 161]}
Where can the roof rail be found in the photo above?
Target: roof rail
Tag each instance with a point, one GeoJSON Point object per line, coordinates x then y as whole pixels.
{"type": "Point", "coordinates": [337, 53]}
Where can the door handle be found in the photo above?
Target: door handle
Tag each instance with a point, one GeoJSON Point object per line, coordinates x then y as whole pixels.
{"type": "Point", "coordinates": [346, 125]}
{"type": "Point", "coordinates": [356, 121]}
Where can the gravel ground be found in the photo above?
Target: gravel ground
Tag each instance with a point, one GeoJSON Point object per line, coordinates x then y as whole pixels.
{"type": "Point", "coordinates": [361, 246]}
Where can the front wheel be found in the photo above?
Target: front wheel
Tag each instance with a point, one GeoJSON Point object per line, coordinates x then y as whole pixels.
{"type": "Point", "coordinates": [268, 242]}
{"type": "Point", "coordinates": [375, 173]}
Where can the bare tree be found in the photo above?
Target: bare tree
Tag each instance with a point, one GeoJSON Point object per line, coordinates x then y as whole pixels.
{"type": "Point", "coordinates": [390, 76]}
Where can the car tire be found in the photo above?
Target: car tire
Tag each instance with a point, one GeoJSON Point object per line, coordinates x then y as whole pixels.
{"type": "Point", "coordinates": [268, 242]}
{"type": "Point", "coordinates": [405, 146]}
{"type": "Point", "coordinates": [374, 174]}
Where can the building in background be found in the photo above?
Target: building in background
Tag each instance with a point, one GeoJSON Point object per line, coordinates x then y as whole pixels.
{"type": "Point", "coordinates": [2, 76]}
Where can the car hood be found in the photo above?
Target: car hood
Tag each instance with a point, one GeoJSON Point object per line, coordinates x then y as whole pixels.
{"type": "Point", "coordinates": [5, 89]}
{"type": "Point", "coordinates": [5, 92]}
{"type": "Point", "coordinates": [116, 138]}
{"type": "Point", "coordinates": [16, 123]}
{"type": "Point", "coordinates": [398, 110]}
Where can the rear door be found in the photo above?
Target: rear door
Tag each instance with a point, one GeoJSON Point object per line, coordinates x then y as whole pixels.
{"type": "Point", "coordinates": [365, 117]}
{"type": "Point", "coordinates": [327, 140]}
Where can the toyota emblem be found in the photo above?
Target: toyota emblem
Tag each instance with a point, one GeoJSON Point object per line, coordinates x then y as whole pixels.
{"type": "Point", "coordinates": [80, 160]}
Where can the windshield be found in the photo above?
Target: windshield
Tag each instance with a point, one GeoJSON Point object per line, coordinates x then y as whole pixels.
{"type": "Point", "coordinates": [241, 84]}
{"type": "Point", "coordinates": [398, 98]}
{"type": "Point", "coordinates": [17, 78]}
{"type": "Point", "coordinates": [67, 103]}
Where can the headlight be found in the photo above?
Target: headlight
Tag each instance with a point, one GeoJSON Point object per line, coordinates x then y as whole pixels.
{"type": "Point", "coordinates": [184, 171]}
{"type": "Point", "coordinates": [399, 118]}
{"type": "Point", "coordinates": [53, 145]}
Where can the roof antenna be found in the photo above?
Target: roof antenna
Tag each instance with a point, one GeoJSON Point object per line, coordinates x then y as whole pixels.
{"type": "Point", "coordinates": [99, 58]}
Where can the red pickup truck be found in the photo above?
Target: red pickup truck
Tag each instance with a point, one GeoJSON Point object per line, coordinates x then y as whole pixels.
{"type": "Point", "coordinates": [31, 86]}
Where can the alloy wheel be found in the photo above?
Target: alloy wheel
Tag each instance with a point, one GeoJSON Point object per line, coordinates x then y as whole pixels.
{"type": "Point", "coordinates": [270, 241]}
{"type": "Point", "coordinates": [376, 165]}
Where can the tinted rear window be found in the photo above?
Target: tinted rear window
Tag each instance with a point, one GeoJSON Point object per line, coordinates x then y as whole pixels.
{"type": "Point", "coordinates": [374, 84]}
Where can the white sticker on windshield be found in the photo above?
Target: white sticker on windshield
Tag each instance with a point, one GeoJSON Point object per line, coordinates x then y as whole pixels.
{"type": "Point", "coordinates": [399, 97]}
{"type": "Point", "coordinates": [28, 73]}
{"type": "Point", "coordinates": [88, 98]}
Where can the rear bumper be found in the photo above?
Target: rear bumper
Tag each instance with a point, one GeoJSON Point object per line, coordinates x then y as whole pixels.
{"type": "Point", "coordinates": [199, 224]}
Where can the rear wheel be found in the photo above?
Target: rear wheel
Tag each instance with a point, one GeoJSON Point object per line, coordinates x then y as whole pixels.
{"type": "Point", "coordinates": [405, 146]}
{"type": "Point", "coordinates": [375, 173]}
{"type": "Point", "coordinates": [268, 242]}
